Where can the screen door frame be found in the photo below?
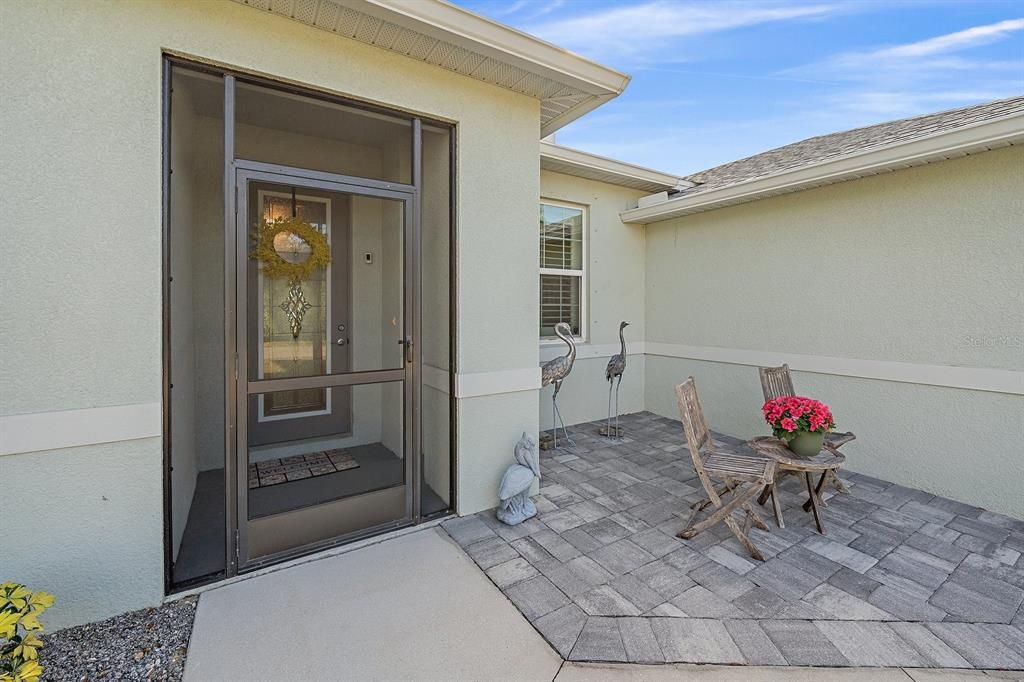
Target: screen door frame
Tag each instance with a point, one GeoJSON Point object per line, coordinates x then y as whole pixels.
{"type": "Point", "coordinates": [277, 537]}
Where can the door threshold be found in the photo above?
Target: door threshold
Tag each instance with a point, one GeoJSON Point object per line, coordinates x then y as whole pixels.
{"type": "Point", "coordinates": [315, 556]}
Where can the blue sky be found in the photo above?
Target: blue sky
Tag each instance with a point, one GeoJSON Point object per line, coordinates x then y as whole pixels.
{"type": "Point", "coordinates": [717, 81]}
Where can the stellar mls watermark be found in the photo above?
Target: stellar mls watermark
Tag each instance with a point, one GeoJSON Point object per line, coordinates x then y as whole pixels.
{"type": "Point", "coordinates": [993, 341]}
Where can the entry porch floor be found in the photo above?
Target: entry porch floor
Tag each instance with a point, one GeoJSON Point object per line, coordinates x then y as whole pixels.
{"type": "Point", "coordinates": [902, 578]}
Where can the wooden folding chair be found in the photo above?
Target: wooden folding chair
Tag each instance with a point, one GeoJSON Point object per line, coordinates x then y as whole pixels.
{"type": "Point", "coordinates": [775, 382]}
{"type": "Point", "coordinates": [743, 477]}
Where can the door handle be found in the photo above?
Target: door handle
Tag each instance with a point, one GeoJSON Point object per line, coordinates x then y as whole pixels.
{"type": "Point", "coordinates": [341, 342]}
{"type": "Point", "coordinates": [408, 348]}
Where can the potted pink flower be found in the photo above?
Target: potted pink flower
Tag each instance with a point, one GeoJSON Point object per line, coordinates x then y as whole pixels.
{"type": "Point", "coordinates": [801, 422]}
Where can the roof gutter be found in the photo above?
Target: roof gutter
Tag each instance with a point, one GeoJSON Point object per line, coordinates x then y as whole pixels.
{"type": "Point", "coordinates": [979, 137]}
{"type": "Point", "coordinates": [611, 170]}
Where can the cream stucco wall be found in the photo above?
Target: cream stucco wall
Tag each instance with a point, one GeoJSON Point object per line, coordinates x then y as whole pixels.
{"type": "Point", "coordinates": [87, 525]}
{"type": "Point", "coordinates": [80, 173]}
{"type": "Point", "coordinates": [922, 266]}
{"type": "Point", "coordinates": [615, 292]}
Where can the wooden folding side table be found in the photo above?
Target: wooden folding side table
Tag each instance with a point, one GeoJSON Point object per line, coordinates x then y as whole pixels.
{"type": "Point", "coordinates": [827, 461]}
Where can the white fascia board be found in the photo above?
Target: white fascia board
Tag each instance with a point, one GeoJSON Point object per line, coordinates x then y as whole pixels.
{"type": "Point", "coordinates": [970, 139]}
{"type": "Point", "coordinates": [613, 169]}
{"type": "Point", "coordinates": [460, 26]}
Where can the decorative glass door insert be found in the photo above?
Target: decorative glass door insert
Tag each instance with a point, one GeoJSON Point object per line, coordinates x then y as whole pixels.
{"type": "Point", "coordinates": [296, 315]}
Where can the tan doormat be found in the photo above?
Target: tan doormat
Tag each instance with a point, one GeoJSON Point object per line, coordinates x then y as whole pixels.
{"type": "Point", "coordinates": [297, 467]}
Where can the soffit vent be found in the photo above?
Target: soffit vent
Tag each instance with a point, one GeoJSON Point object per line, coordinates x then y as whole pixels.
{"type": "Point", "coordinates": [558, 100]}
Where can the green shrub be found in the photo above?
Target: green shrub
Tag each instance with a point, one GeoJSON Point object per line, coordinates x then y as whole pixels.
{"type": "Point", "coordinates": [19, 623]}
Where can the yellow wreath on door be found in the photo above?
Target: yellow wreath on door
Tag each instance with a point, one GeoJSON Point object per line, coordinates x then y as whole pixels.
{"type": "Point", "coordinates": [275, 266]}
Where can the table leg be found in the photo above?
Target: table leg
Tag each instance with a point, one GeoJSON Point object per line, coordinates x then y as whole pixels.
{"type": "Point", "coordinates": [776, 507]}
{"type": "Point", "coordinates": [814, 503]}
{"type": "Point", "coordinates": [817, 491]}
{"type": "Point", "coordinates": [821, 484]}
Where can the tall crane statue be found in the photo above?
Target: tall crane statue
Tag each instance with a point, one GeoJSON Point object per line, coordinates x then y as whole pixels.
{"type": "Point", "coordinates": [616, 366]}
{"type": "Point", "coordinates": [554, 372]}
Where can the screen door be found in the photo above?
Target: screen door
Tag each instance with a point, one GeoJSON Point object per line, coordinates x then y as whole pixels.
{"type": "Point", "coordinates": [324, 404]}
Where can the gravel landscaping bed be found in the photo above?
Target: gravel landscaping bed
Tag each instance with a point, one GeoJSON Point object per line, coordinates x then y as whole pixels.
{"type": "Point", "coordinates": [150, 644]}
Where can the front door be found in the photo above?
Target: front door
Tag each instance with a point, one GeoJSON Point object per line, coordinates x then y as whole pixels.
{"type": "Point", "coordinates": [291, 324]}
{"type": "Point", "coordinates": [324, 400]}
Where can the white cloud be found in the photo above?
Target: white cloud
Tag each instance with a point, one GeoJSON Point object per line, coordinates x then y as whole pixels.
{"type": "Point", "coordinates": [960, 40]}
{"type": "Point", "coordinates": [509, 9]}
{"type": "Point", "coordinates": [931, 54]}
{"type": "Point", "coordinates": [638, 29]}
{"type": "Point", "coordinates": [917, 77]}
{"type": "Point", "coordinates": [866, 106]}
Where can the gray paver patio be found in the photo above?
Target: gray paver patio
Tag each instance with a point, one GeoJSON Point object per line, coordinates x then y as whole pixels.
{"type": "Point", "coordinates": [902, 578]}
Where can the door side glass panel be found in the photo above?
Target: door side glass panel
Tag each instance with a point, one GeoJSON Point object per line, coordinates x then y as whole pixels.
{"type": "Point", "coordinates": [295, 314]}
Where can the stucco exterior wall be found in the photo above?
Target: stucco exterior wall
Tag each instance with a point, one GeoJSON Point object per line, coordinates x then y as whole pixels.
{"type": "Point", "coordinates": [80, 170]}
{"type": "Point", "coordinates": [921, 267]}
{"type": "Point", "coordinates": [85, 524]}
{"type": "Point", "coordinates": [615, 292]}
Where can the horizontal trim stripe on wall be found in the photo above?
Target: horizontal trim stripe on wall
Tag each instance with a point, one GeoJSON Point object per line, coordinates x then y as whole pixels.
{"type": "Point", "coordinates": [973, 378]}
{"type": "Point", "coordinates": [41, 431]}
{"type": "Point", "coordinates": [586, 351]}
{"type": "Point", "coordinates": [476, 384]}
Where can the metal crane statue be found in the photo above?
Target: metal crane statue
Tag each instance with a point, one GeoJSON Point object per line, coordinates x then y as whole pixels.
{"type": "Point", "coordinates": [514, 491]}
{"type": "Point", "coordinates": [554, 372]}
{"type": "Point", "coordinates": [616, 366]}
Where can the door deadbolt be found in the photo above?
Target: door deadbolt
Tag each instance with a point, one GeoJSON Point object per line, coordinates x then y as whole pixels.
{"type": "Point", "coordinates": [341, 327]}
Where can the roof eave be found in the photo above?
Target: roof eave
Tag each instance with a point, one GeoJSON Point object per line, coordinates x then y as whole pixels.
{"type": "Point", "coordinates": [458, 25]}
{"type": "Point", "coordinates": [556, 123]}
{"type": "Point", "coordinates": [612, 171]}
{"type": "Point", "coordinates": [567, 84]}
{"type": "Point", "coordinates": [980, 137]}
{"type": "Point", "coordinates": [449, 21]}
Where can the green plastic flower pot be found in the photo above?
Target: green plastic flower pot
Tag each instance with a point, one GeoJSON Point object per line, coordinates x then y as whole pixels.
{"type": "Point", "coordinates": [807, 443]}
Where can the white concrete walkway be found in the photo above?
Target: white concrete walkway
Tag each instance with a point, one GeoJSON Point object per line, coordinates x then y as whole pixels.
{"type": "Point", "coordinates": [417, 608]}
{"type": "Point", "coordinates": [412, 608]}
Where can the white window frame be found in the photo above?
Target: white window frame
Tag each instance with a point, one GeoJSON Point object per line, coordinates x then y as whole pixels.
{"type": "Point", "coordinates": [582, 274]}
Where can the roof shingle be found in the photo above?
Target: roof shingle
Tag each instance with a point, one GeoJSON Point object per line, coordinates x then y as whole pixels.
{"type": "Point", "coordinates": [825, 147]}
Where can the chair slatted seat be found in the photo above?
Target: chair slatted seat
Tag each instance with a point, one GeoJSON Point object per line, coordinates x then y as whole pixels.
{"type": "Point", "coordinates": [737, 465]}
{"type": "Point", "coordinates": [742, 477]}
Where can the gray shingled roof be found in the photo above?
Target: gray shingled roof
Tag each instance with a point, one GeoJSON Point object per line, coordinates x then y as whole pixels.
{"type": "Point", "coordinates": [824, 147]}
